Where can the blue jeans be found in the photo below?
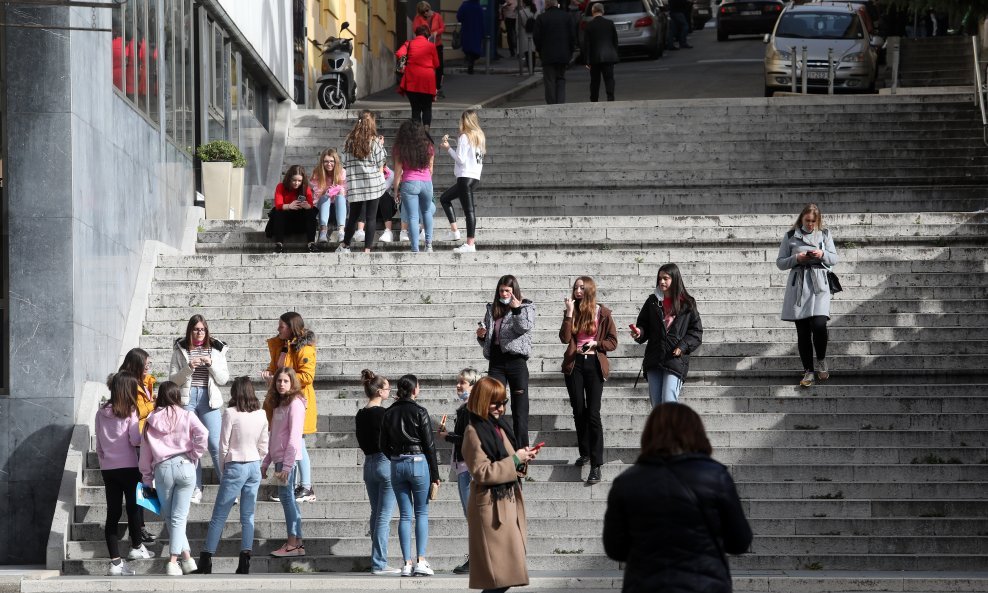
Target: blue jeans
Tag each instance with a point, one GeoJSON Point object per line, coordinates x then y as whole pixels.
{"type": "Point", "coordinates": [174, 479]}
{"type": "Point", "coordinates": [463, 483]}
{"type": "Point", "coordinates": [243, 479]}
{"type": "Point", "coordinates": [304, 466]}
{"type": "Point", "coordinates": [678, 28]}
{"type": "Point", "coordinates": [417, 195]}
{"type": "Point", "coordinates": [377, 478]}
{"type": "Point", "coordinates": [663, 386]}
{"type": "Point", "coordinates": [213, 421]}
{"type": "Point", "coordinates": [410, 480]}
{"type": "Point", "coordinates": [293, 515]}
{"type": "Point", "coordinates": [339, 204]}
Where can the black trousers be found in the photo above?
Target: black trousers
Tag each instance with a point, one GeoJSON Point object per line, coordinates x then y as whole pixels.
{"type": "Point", "coordinates": [121, 485]}
{"type": "Point", "coordinates": [367, 211]}
{"type": "Point", "coordinates": [293, 222]}
{"type": "Point", "coordinates": [586, 388]}
{"type": "Point", "coordinates": [464, 191]}
{"type": "Point", "coordinates": [512, 370]}
{"type": "Point", "coordinates": [421, 106]}
{"type": "Point", "coordinates": [441, 70]}
{"type": "Point", "coordinates": [554, 80]}
{"type": "Point", "coordinates": [596, 70]}
{"type": "Point", "coordinates": [509, 27]}
{"type": "Point", "coordinates": [811, 334]}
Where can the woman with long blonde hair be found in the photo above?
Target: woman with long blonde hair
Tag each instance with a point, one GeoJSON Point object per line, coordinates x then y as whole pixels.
{"type": "Point", "coordinates": [589, 332]}
{"type": "Point", "coordinates": [468, 163]}
{"type": "Point", "coordinates": [363, 158]}
{"type": "Point", "coordinates": [328, 183]}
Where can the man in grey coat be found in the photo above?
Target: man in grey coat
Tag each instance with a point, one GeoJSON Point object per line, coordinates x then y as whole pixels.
{"type": "Point", "coordinates": [555, 40]}
{"type": "Point", "coordinates": [601, 51]}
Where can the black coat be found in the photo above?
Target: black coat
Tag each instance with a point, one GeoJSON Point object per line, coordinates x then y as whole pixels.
{"type": "Point", "coordinates": [555, 36]}
{"type": "Point", "coordinates": [407, 430]}
{"type": "Point", "coordinates": [685, 333]}
{"type": "Point", "coordinates": [601, 40]}
{"type": "Point", "coordinates": [656, 529]}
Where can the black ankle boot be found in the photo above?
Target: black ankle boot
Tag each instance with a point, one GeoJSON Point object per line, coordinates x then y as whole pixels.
{"type": "Point", "coordinates": [244, 566]}
{"type": "Point", "coordinates": [205, 564]}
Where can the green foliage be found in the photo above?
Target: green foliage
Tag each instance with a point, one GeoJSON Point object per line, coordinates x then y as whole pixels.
{"type": "Point", "coordinates": [221, 151]}
{"type": "Point", "coordinates": [559, 551]}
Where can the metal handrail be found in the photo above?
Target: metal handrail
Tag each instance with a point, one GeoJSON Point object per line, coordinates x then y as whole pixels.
{"type": "Point", "coordinates": [979, 89]}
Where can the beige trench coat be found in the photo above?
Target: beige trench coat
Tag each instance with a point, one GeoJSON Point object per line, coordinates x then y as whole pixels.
{"type": "Point", "coordinates": [497, 530]}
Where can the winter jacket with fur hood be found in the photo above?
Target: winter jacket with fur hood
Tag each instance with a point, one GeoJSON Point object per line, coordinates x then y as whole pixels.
{"type": "Point", "coordinates": [180, 373]}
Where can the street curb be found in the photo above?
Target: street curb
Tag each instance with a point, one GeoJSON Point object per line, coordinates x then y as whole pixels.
{"type": "Point", "coordinates": [501, 99]}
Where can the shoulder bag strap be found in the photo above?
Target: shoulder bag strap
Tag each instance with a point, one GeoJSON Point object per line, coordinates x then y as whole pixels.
{"type": "Point", "coordinates": [691, 494]}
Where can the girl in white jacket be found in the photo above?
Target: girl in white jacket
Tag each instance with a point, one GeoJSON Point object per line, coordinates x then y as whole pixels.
{"type": "Point", "coordinates": [469, 162]}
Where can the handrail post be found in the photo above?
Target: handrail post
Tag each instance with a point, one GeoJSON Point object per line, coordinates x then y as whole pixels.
{"type": "Point", "coordinates": [793, 77]}
{"type": "Point", "coordinates": [805, 70]}
{"type": "Point", "coordinates": [896, 52]}
{"type": "Point", "coordinates": [979, 97]}
{"type": "Point", "coordinates": [830, 71]}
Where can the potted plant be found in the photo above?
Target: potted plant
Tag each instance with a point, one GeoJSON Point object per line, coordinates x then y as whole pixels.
{"type": "Point", "coordinates": [222, 179]}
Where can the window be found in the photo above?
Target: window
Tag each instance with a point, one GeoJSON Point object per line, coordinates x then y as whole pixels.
{"type": "Point", "coordinates": [178, 92]}
{"type": "Point", "coordinates": [135, 54]}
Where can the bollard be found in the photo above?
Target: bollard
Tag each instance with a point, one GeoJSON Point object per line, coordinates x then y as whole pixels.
{"type": "Point", "coordinates": [805, 70]}
{"type": "Point", "coordinates": [793, 77]}
{"type": "Point", "coordinates": [830, 71]}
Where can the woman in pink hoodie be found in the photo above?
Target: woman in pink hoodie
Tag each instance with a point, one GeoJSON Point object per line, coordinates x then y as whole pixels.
{"type": "Point", "coordinates": [174, 439]}
{"type": "Point", "coordinates": [284, 449]}
{"type": "Point", "coordinates": [117, 437]}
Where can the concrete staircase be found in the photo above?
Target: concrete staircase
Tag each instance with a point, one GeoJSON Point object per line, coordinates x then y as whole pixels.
{"type": "Point", "coordinates": [883, 468]}
{"type": "Point", "coordinates": [937, 62]}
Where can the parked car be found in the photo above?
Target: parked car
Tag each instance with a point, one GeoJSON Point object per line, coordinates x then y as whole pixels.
{"type": "Point", "coordinates": [837, 29]}
{"type": "Point", "coordinates": [701, 13]}
{"type": "Point", "coordinates": [747, 17]}
{"type": "Point", "coordinates": [641, 25]}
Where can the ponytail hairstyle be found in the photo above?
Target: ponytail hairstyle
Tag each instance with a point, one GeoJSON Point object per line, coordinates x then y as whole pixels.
{"type": "Point", "coordinates": [470, 125]}
{"type": "Point", "coordinates": [677, 290]}
{"type": "Point", "coordinates": [242, 396]}
{"type": "Point", "coordinates": [123, 389]}
{"type": "Point", "coordinates": [294, 391]}
{"type": "Point", "coordinates": [358, 141]}
{"type": "Point", "coordinates": [372, 383]}
{"type": "Point", "coordinates": [585, 311]}
{"type": "Point", "coordinates": [406, 386]}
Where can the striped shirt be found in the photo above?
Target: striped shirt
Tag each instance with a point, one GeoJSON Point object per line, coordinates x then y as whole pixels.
{"type": "Point", "coordinates": [364, 180]}
{"type": "Point", "coordinates": [200, 376]}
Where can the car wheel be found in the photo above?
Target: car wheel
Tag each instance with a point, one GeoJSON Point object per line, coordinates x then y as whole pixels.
{"type": "Point", "coordinates": [654, 53]}
{"type": "Point", "coordinates": [769, 91]}
{"type": "Point", "coordinates": [721, 36]}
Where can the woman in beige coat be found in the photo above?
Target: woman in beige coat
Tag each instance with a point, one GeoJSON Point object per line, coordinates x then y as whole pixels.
{"type": "Point", "coordinates": [496, 509]}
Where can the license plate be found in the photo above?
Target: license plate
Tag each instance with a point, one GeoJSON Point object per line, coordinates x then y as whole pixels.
{"type": "Point", "coordinates": [751, 13]}
{"type": "Point", "coordinates": [702, 11]}
{"type": "Point", "coordinates": [622, 26]}
{"type": "Point", "coordinates": [818, 75]}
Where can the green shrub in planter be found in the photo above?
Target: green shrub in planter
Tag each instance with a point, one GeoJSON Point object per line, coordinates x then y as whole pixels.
{"type": "Point", "coordinates": [221, 151]}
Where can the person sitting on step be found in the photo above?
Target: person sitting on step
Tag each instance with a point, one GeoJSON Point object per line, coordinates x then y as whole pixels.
{"type": "Point", "coordinates": [294, 211]}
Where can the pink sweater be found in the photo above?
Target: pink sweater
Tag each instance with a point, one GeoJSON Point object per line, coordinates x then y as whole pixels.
{"type": "Point", "coordinates": [116, 439]}
{"type": "Point", "coordinates": [169, 432]}
{"type": "Point", "coordinates": [244, 436]}
{"type": "Point", "coordinates": [286, 435]}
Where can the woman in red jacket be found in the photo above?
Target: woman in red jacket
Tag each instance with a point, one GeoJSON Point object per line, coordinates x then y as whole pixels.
{"type": "Point", "coordinates": [437, 26]}
{"type": "Point", "coordinates": [293, 210]}
{"type": "Point", "coordinates": [418, 83]}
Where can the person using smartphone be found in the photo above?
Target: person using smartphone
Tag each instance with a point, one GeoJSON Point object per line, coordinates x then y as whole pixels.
{"type": "Point", "coordinates": [589, 332]}
{"type": "Point", "coordinates": [294, 210]}
{"type": "Point", "coordinates": [496, 518]}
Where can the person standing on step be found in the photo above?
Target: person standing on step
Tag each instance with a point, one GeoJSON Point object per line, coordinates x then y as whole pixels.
{"type": "Point", "coordinates": [172, 442]}
{"type": "Point", "coordinates": [464, 384]}
{"type": "Point", "coordinates": [670, 322]}
{"type": "Point", "coordinates": [509, 13]}
{"type": "Point", "coordinates": [138, 363]}
{"type": "Point", "coordinates": [671, 517]}
{"type": "Point", "coordinates": [364, 159]}
{"type": "Point", "coordinates": [418, 82]}
{"type": "Point", "coordinates": [496, 518]}
{"type": "Point", "coordinates": [468, 163]}
{"type": "Point", "coordinates": [432, 19]}
{"type": "Point", "coordinates": [198, 364]}
{"type": "Point", "coordinates": [808, 252]}
{"type": "Point", "coordinates": [589, 332]}
{"type": "Point", "coordinates": [414, 154]}
{"type": "Point", "coordinates": [555, 40]}
{"type": "Point", "coordinates": [243, 444]}
{"type": "Point", "coordinates": [377, 469]}
{"type": "Point", "coordinates": [117, 439]}
{"type": "Point", "coordinates": [601, 39]}
{"type": "Point", "coordinates": [294, 211]}
{"type": "Point", "coordinates": [526, 27]}
{"type": "Point", "coordinates": [471, 18]}
{"type": "Point", "coordinates": [284, 450]}
{"type": "Point", "coordinates": [406, 438]}
{"type": "Point", "coordinates": [506, 337]}
{"type": "Point", "coordinates": [295, 347]}
{"type": "Point", "coordinates": [679, 16]}
{"type": "Point", "coordinates": [328, 186]}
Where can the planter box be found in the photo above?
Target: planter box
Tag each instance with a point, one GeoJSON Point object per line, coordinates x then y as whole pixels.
{"type": "Point", "coordinates": [223, 187]}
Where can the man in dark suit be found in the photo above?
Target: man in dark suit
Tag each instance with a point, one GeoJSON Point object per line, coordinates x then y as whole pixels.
{"type": "Point", "coordinates": [602, 52]}
{"type": "Point", "coordinates": [555, 40]}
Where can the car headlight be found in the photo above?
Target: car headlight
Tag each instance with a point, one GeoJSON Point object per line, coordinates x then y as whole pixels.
{"type": "Point", "coordinates": [858, 56]}
{"type": "Point", "coordinates": [781, 54]}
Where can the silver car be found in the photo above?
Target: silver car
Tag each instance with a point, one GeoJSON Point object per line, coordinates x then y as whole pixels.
{"type": "Point", "coordinates": [641, 24]}
{"type": "Point", "coordinates": [821, 27]}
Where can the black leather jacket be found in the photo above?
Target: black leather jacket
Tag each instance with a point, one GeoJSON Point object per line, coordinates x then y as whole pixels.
{"type": "Point", "coordinates": [407, 430]}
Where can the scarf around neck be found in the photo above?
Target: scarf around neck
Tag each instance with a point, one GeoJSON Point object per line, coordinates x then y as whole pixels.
{"type": "Point", "coordinates": [493, 446]}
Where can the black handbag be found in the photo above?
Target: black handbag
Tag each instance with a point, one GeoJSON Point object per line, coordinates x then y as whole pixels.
{"type": "Point", "coordinates": [457, 40]}
{"type": "Point", "coordinates": [402, 61]}
{"type": "Point", "coordinates": [834, 283]}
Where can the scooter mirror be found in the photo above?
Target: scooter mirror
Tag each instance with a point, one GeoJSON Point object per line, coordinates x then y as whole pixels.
{"type": "Point", "coordinates": [346, 25]}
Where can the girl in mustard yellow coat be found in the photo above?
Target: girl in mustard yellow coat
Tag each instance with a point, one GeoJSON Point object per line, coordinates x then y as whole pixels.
{"type": "Point", "coordinates": [295, 347]}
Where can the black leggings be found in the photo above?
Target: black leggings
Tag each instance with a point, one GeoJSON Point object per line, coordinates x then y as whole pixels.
{"type": "Point", "coordinates": [421, 107]}
{"type": "Point", "coordinates": [811, 334]}
{"type": "Point", "coordinates": [293, 222]}
{"type": "Point", "coordinates": [586, 387]}
{"type": "Point", "coordinates": [512, 371]}
{"type": "Point", "coordinates": [368, 211]}
{"type": "Point", "coordinates": [463, 190]}
{"type": "Point", "coordinates": [121, 484]}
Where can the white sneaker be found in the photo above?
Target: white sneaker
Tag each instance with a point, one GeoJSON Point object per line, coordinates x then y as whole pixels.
{"type": "Point", "coordinates": [196, 496]}
{"type": "Point", "coordinates": [387, 236]}
{"type": "Point", "coordinates": [465, 248]}
{"type": "Point", "coordinates": [422, 569]}
{"type": "Point", "coordinates": [422, 236]}
{"type": "Point", "coordinates": [428, 247]}
{"type": "Point", "coordinates": [358, 236]}
{"type": "Point", "coordinates": [403, 236]}
{"type": "Point", "coordinates": [340, 233]}
{"type": "Point", "coordinates": [323, 236]}
{"type": "Point", "coordinates": [122, 570]}
{"type": "Point", "coordinates": [386, 571]}
{"type": "Point", "coordinates": [451, 236]}
{"type": "Point", "coordinates": [822, 372]}
{"type": "Point", "coordinates": [406, 570]}
{"type": "Point", "coordinates": [172, 569]}
{"type": "Point", "coordinates": [188, 566]}
{"type": "Point", "coordinates": [808, 379]}
{"type": "Point", "coordinates": [140, 553]}
{"type": "Point", "coordinates": [342, 249]}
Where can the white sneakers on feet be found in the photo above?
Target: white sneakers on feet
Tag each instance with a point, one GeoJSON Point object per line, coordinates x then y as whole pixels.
{"type": "Point", "coordinates": [406, 570]}
{"type": "Point", "coordinates": [428, 247]}
{"type": "Point", "coordinates": [422, 569]}
{"type": "Point", "coordinates": [387, 236]}
{"type": "Point", "coordinates": [465, 248]}
{"type": "Point", "coordinates": [386, 571]}
{"type": "Point", "coordinates": [340, 232]}
{"type": "Point", "coordinates": [342, 249]}
{"type": "Point", "coordinates": [822, 372]}
{"type": "Point", "coordinates": [421, 235]}
{"type": "Point", "coordinates": [172, 569]}
{"type": "Point", "coordinates": [358, 235]}
{"type": "Point", "coordinates": [808, 379]}
{"type": "Point", "coordinates": [403, 236]}
{"type": "Point", "coordinates": [140, 553]}
{"type": "Point", "coordinates": [323, 236]}
{"type": "Point", "coordinates": [122, 570]}
{"type": "Point", "coordinates": [452, 236]}
{"type": "Point", "coordinates": [188, 566]}
{"type": "Point", "coordinates": [196, 496]}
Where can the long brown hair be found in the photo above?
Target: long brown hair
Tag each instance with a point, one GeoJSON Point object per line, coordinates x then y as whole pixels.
{"type": "Point", "coordinates": [295, 390]}
{"type": "Point", "coordinates": [319, 173]}
{"type": "Point", "coordinates": [295, 323]}
{"type": "Point", "coordinates": [192, 324]}
{"type": "Point", "coordinates": [134, 362]}
{"type": "Point", "coordinates": [286, 183]}
{"type": "Point", "coordinates": [242, 396]}
{"type": "Point", "coordinates": [500, 309]}
{"type": "Point", "coordinates": [674, 429]}
{"type": "Point", "coordinates": [412, 144]}
{"type": "Point", "coordinates": [123, 389]}
{"type": "Point", "coordinates": [585, 311]}
{"type": "Point", "coordinates": [358, 141]}
{"type": "Point", "coordinates": [678, 294]}
{"type": "Point", "coordinates": [810, 208]}
{"type": "Point", "coordinates": [487, 390]}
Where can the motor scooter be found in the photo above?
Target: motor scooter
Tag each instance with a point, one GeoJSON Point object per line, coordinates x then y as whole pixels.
{"type": "Point", "coordinates": [337, 88]}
